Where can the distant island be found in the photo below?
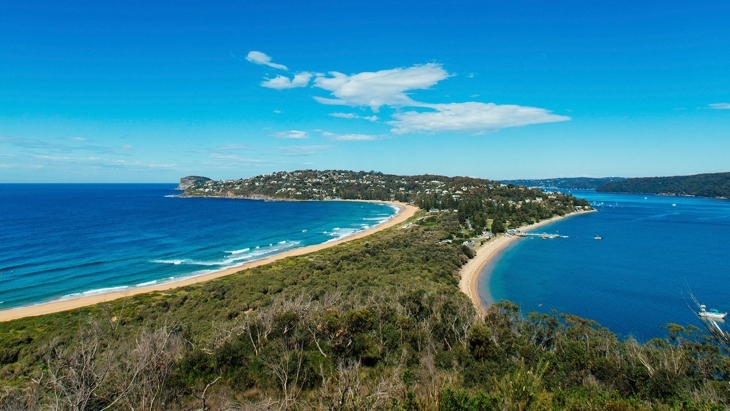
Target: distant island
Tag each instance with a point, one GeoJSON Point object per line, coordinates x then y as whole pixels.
{"type": "Point", "coordinates": [716, 185]}
{"type": "Point", "coordinates": [567, 183]}
{"type": "Point", "coordinates": [481, 204]}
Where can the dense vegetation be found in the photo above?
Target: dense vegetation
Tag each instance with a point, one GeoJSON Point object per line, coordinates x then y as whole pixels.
{"type": "Point", "coordinates": [701, 185]}
{"type": "Point", "coordinates": [577, 183]}
{"type": "Point", "coordinates": [481, 204]}
{"type": "Point", "coordinates": [375, 323]}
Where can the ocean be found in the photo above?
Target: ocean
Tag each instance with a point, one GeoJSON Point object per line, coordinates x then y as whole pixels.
{"type": "Point", "coordinates": [60, 241]}
{"type": "Point", "coordinates": [655, 252]}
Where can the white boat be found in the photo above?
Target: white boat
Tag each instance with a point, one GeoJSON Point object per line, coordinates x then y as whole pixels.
{"type": "Point", "coordinates": [598, 237]}
{"type": "Point", "coordinates": [712, 314]}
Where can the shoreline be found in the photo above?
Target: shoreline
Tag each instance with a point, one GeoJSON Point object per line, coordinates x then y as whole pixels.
{"type": "Point", "coordinates": [403, 213]}
{"type": "Point", "coordinates": [470, 272]}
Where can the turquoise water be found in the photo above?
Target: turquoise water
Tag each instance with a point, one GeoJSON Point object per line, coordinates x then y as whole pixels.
{"type": "Point", "coordinates": [654, 251]}
{"type": "Point", "coordinates": [60, 241]}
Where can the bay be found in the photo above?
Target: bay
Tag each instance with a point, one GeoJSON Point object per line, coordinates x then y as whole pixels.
{"type": "Point", "coordinates": [654, 252]}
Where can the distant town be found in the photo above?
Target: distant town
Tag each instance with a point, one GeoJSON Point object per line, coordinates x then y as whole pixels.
{"type": "Point", "coordinates": [481, 204]}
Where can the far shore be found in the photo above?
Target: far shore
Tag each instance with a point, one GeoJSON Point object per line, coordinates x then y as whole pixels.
{"type": "Point", "coordinates": [470, 272]}
{"type": "Point", "coordinates": [404, 212]}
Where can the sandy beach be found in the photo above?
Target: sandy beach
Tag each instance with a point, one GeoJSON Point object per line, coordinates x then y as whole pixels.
{"type": "Point", "coordinates": [469, 273]}
{"type": "Point", "coordinates": [405, 212]}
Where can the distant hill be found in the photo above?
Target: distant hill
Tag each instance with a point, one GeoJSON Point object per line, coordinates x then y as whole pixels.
{"type": "Point", "coordinates": [579, 183]}
{"type": "Point", "coordinates": [700, 185]}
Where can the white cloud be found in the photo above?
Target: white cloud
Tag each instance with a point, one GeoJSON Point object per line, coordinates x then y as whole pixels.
{"type": "Point", "coordinates": [376, 89]}
{"type": "Point", "coordinates": [282, 82]}
{"type": "Point", "coordinates": [292, 134]}
{"type": "Point", "coordinates": [720, 106]}
{"type": "Point", "coordinates": [391, 88]}
{"type": "Point", "coordinates": [355, 137]}
{"type": "Point", "coordinates": [353, 116]}
{"type": "Point", "coordinates": [76, 139]}
{"type": "Point", "coordinates": [349, 137]}
{"type": "Point", "coordinates": [471, 117]}
{"type": "Point", "coordinates": [258, 57]}
{"type": "Point", "coordinates": [344, 115]}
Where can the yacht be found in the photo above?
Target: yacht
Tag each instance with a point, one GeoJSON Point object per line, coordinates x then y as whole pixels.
{"type": "Point", "coordinates": [712, 314]}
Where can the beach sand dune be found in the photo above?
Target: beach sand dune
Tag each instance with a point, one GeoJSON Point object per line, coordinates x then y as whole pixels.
{"type": "Point", "coordinates": [405, 212]}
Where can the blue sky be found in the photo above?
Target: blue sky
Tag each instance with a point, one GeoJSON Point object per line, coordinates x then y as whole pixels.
{"type": "Point", "coordinates": [152, 91]}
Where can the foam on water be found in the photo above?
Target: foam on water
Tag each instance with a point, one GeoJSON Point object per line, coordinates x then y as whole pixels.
{"type": "Point", "coordinates": [94, 238]}
{"type": "Point", "coordinates": [340, 233]}
{"type": "Point", "coordinates": [97, 291]}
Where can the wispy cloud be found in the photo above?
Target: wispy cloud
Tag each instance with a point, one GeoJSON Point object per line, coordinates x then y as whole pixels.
{"type": "Point", "coordinates": [282, 82]}
{"type": "Point", "coordinates": [355, 137]}
{"type": "Point", "coordinates": [470, 117]}
{"type": "Point", "coordinates": [306, 150]}
{"type": "Point", "coordinates": [236, 158]}
{"type": "Point", "coordinates": [21, 166]}
{"type": "Point", "coordinates": [380, 88]}
{"type": "Point", "coordinates": [349, 136]}
{"type": "Point", "coordinates": [720, 106]}
{"type": "Point", "coordinates": [258, 57]}
{"type": "Point", "coordinates": [353, 116]}
{"type": "Point", "coordinates": [104, 162]}
{"type": "Point", "coordinates": [291, 134]}
{"type": "Point", "coordinates": [61, 146]}
{"type": "Point", "coordinates": [235, 147]}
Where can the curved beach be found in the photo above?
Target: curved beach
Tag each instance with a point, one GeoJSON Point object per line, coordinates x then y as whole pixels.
{"type": "Point", "coordinates": [404, 212]}
{"type": "Point", "coordinates": [469, 273]}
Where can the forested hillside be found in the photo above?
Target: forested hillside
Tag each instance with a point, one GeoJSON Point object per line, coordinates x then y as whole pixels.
{"type": "Point", "coordinates": [578, 183]}
{"type": "Point", "coordinates": [481, 204]}
{"type": "Point", "coordinates": [701, 185]}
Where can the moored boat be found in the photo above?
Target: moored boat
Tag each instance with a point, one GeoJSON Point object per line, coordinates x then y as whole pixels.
{"type": "Point", "coordinates": [711, 314]}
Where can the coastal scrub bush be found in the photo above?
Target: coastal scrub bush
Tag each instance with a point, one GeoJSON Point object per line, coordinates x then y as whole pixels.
{"type": "Point", "coordinates": [376, 323]}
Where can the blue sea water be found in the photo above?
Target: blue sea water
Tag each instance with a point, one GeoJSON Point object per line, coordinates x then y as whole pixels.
{"type": "Point", "coordinates": [63, 240]}
{"type": "Point", "coordinates": [654, 252]}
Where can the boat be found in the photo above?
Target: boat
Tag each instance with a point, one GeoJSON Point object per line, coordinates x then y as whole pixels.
{"type": "Point", "coordinates": [598, 237]}
{"type": "Point", "coordinates": [711, 314]}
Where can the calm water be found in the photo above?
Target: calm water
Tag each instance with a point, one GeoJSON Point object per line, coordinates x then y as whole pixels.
{"type": "Point", "coordinates": [638, 277]}
{"type": "Point", "coordinates": [62, 240]}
